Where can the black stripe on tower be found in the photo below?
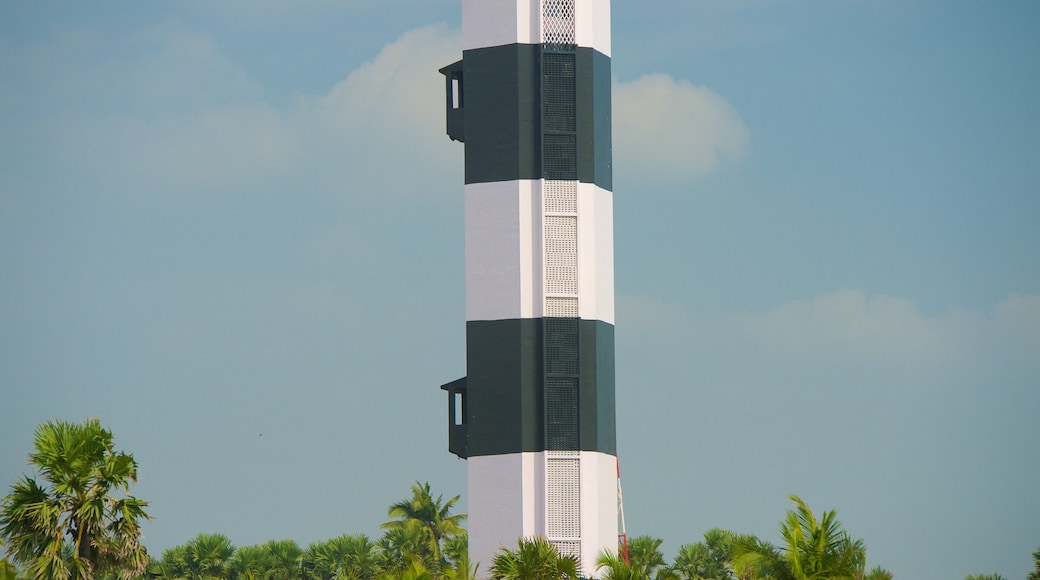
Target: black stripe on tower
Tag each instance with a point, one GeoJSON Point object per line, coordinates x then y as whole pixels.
{"type": "Point", "coordinates": [495, 106]}
{"type": "Point", "coordinates": [517, 399]}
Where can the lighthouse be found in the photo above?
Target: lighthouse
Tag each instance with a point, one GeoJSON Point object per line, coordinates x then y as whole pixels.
{"type": "Point", "coordinates": [534, 415]}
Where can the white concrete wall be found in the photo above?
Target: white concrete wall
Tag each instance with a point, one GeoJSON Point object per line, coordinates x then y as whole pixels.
{"type": "Point", "coordinates": [505, 251]}
{"type": "Point", "coordinates": [506, 499]}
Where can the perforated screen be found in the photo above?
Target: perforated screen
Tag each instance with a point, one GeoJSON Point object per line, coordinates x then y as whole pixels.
{"type": "Point", "coordinates": [560, 196]}
{"type": "Point", "coordinates": [563, 498]}
{"type": "Point", "coordinates": [561, 255]}
{"type": "Point", "coordinates": [561, 410]}
{"type": "Point", "coordinates": [561, 346]}
{"type": "Point", "coordinates": [558, 22]}
{"type": "Point", "coordinates": [561, 307]}
{"type": "Point", "coordinates": [558, 91]}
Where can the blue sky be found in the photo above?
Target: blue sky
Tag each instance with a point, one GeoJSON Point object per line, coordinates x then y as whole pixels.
{"type": "Point", "coordinates": [226, 219]}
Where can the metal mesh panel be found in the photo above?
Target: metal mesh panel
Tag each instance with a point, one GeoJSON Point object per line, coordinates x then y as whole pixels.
{"type": "Point", "coordinates": [560, 196]}
{"type": "Point", "coordinates": [561, 414]}
{"type": "Point", "coordinates": [561, 307]}
{"type": "Point", "coordinates": [559, 156]}
{"type": "Point", "coordinates": [558, 22]}
{"type": "Point", "coordinates": [558, 93]}
{"type": "Point", "coordinates": [561, 255]}
{"type": "Point", "coordinates": [561, 346]}
{"type": "Point", "coordinates": [563, 498]}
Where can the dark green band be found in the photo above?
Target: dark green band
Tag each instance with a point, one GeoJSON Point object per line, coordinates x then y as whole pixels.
{"type": "Point", "coordinates": [531, 387]}
{"type": "Point", "coordinates": [508, 115]}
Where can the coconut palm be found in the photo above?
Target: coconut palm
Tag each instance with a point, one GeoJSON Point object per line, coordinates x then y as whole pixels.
{"type": "Point", "coordinates": [534, 559]}
{"type": "Point", "coordinates": [431, 517]}
{"type": "Point", "coordinates": [813, 549]}
{"type": "Point", "coordinates": [71, 524]}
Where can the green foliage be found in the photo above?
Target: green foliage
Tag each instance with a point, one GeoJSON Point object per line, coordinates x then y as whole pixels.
{"type": "Point", "coordinates": [70, 523]}
{"type": "Point", "coordinates": [249, 563]}
{"type": "Point", "coordinates": [206, 557]}
{"type": "Point", "coordinates": [813, 549]}
{"type": "Point", "coordinates": [422, 525]}
{"type": "Point", "coordinates": [342, 557]}
{"type": "Point", "coordinates": [1035, 574]}
{"type": "Point", "coordinates": [534, 559]}
{"type": "Point", "coordinates": [878, 573]}
{"type": "Point", "coordinates": [610, 565]}
{"type": "Point", "coordinates": [425, 542]}
{"type": "Point", "coordinates": [645, 562]}
{"type": "Point", "coordinates": [707, 560]}
{"type": "Point", "coordinates": [984, 577]}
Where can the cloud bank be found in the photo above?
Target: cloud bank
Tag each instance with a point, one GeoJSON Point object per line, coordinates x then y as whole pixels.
{"type": "Point", "coordinates": [674, 130]}
{"type": "Point", "coordinates": [176, 115]}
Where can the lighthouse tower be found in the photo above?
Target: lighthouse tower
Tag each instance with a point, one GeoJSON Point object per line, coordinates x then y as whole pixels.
{"type": "Point", "coordinates": [534, 416]}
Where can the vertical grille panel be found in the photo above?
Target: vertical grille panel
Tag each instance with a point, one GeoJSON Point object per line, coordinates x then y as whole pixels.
{"type": "Point", "coordinates": [561, 346]}
{"type": "Point", "coordinates": [563, 498]}
{"type": "Point", "coordinates": [558, 92]}
{"type": "Point", "coordinates": [559, 156]}
{"type": "Point", "coordinates": [558, 22]}
{"type": "Point", "coordinates": [561, 255]}
{"type": "Point", "coordinates": [561, 323]}
{"type": "Point", "coordinates": [560, 196]}
{"type": "Point", "coordinates": [561, 405]}
{"type": "Point", "coordinates": [561, 307]}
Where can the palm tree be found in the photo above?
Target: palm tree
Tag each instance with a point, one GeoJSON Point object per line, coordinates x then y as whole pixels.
{"type": "Point", "coordinates": [400, 546]}
{"type": "Point", "coordinates": [208, 556]}
{"type": "Point", "coordinates": [707, 560]}
{"type": "Point", "coordinates": [878, 573]}
{"type": "Point", "coordinates": [456, 554]}
{"type": "Point", "coordinates": [644, 553]}
{"type": "Point", "coordinates": [534, 559]}
{"type": "Point", "coordinates": [343, 557]}
{"type": "Point", "coordinates": [431, 517]}
{"type": "Point", "coordinates": [645, 561]}
{"type": "Point", "coordinates": [611, 566]}
{"type": "Point", "coordinates": [813, 549]}
{"type": "Point", "coordinates": [285, 558]}
{"type": "Point", "coordinates": [70, 525]}
{"type": "Point", "coordinates": [1035, 574]}
{"type": "Point", "coordinates": [249, 563]}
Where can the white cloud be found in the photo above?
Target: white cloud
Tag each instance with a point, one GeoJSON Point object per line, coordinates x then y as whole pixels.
{"type": "Point", "coordinates": [850, 328]}
{"type": "Point", "coordinates": [386, 119]}
{"type": "Point", "coordinates": [672, 129]}
{"type": "Point", "coordinates": [176, 116]}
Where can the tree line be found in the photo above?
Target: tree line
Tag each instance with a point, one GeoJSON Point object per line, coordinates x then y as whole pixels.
{"type": "Point", "coordinates": [78, 521]}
